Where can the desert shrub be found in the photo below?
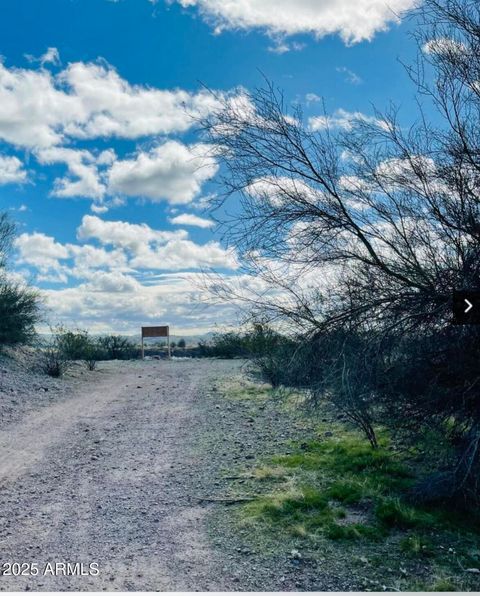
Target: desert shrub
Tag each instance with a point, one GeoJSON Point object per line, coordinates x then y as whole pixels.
{"type": "Point", "coordinates": [92, 354]}
{"type": "Point", "coordinates": [116, 347]}
{"type": "Point", "coordinates": [73, 344]}
{"type": "Point", "coordinates": [19, 304]}
{"type": "Point", "coordinates": [19, 312]}
{"type": "Point", "coordinates": [52, 361]}
{"type": "Point", "coordinates": [258, 343]}
{"type": "Point", "coordinates": [228, 345]}
{"type": "Point", "coordinates": [361, 237]}
{"type": "Point", "coordinates": [271, 352]}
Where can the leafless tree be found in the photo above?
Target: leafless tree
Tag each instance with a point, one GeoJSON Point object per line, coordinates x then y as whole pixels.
{"type": "Point", "coordinates": [363, 227]}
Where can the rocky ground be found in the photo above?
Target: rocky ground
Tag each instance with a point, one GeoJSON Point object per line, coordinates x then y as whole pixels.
{"type": "Point", "coordinates": [142, 470]}
{"type": "Point", "coordinates": [127, 468]}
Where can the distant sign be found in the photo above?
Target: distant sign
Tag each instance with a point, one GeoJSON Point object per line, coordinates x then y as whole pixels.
{"type": "Point", "coordinates": [155, 331]}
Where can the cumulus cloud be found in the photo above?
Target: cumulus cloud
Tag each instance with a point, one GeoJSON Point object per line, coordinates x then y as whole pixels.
{"type": "Point", "coordinates": [87, 101]}
{"type": "Point", "coordinates": [172, 171]}
{"type": "Point", "coordinates": [34, 109]}
{"type": "Point", "coordinates": [11, 170]}
{"type": "Point", "coordinates": [181, 254]}
{"type": "Point", "coordinates": [88, 259]}
{"type": "Point", "coordinates": [43, 253]}
{"type": "Point", "coordinates": [112, 282]}
{"type": "Point", "coordinates": [155, 249]}
{"type": "Point", "coordinates": [189, 219]}
{"type": "Point", "coordinates": [125, 249]}
{"type": "Point", "coordinates": [123, 234]}
{"type": "Point", "coordinates": [353, 20]}
{"type": "Point", "coordinates": [82, 165]}
{"type": "Point", "coordinates": [167, 298]}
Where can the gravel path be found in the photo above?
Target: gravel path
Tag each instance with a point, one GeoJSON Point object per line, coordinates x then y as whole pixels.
{"type": "Point", "coordinates": [126, 469]}
{"type": "Point", "coordinates": [106, 475]}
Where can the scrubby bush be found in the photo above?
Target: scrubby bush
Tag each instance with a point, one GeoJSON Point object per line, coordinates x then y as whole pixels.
{"type": "Point", "coordinates": [52, 362]}
{"type": "Point", "coordinates": [19, 304]}
{"type": "Point", "coordinates": [271, 352]}
{"type": "Point", "coordinates": [52, 359]}
{"type": "Point", "coordinates": [358, 237]}
{"type": "Point", "coordinates": [116, 347]}
{"type": "Point", "coordinates": [19, 312]}
{"type": "Point", "coordinates": [92, 354]}
{"type": "Point", "coordinates": [73, 344]}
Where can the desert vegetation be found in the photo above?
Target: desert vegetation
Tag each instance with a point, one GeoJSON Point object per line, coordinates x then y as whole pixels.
{"type": "Point", "coordinates": [19, 304]}
{"type": "Point", "coordinates": [66, 346]}
{"type": "Point", "coordinates": [356, 238]}
{"type": "Point", "coordinates": [360, 236]}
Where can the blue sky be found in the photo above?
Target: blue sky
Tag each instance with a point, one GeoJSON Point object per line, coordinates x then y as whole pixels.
{"type": "Point", "coordinates": [98, 160]}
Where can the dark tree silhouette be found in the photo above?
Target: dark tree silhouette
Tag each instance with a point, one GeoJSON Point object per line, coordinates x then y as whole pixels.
{"type": "Point", "coordinates": [357, 235]}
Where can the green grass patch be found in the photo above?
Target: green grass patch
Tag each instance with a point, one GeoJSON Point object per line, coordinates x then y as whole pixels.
{"type": "Point", "coordinates": [394, 513]}
{"type": "Point", "coordinates": [352, 531]}
{"type": "Point", "coordinates": [319, 476]}
{"type": "Point", "coordinates": [346, 491]}
{"type": "Point", "coordinates": [416, 545]}
{"type": "Point", "coordinates": [339, 497]}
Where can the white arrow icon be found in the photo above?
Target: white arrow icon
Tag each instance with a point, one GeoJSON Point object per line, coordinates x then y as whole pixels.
{"type": "Point", "coordinates": [469, 307]}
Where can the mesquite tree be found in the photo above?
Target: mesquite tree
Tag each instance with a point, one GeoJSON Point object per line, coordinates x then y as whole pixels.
{"type": "Point", "coordinates": [356, 233]}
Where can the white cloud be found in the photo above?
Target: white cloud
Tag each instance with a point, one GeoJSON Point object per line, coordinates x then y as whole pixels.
{"type": "Point", "coordinates": [181, 254]}
{"type": "Point", "coordinates": [87, 101]}
{"type": "Point", "coordinates": [343, 119]}
{"type": "Point", "coordinates": [124, 234]}
{"type": "Point", "coordinates": [41, 251]}
{"type": "Point", "coordinates": [174, 299]}
{"type": "Point", "coordinates": [33, 109]}
{"type": "Point", "coordinates": [116, 108]}
{"type": "Point", "coordinates": [155, 249]}
{"type": "Point", "coordinates": [353, 20]}
{"type": "Point", "coordinates": [131, 265]}
{"type": "Point", "coordinates": [189, 219]}
{"type": "Point", "coordinates": [88, 259]}
{"type": "Point", "coordinates": [172, 171]}
{"type": "Point", "coordinates": [312, 97]}
{"type": "Point", "coordinates": [82, 165]}
{"type": "Point", "coordinates": [112, 282]}
{"type": "Point", "coordinates": [51, 56]}
{"type": "Point", "coordinates": [11, 170]}
{"type": "Point", "coordinates": [282, 47]}
{"type": "Point", "coordinates": [277, 190]}
{"type": "Point", "coordinates": [127, 249]}
{"type": "Point", "coordinates": [445, 46]}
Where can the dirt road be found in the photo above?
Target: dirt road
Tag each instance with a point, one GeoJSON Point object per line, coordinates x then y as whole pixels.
{"type": "Point", "coordinates": [107, 476]}
{"type": "Point", "coordinates": [126, 473]}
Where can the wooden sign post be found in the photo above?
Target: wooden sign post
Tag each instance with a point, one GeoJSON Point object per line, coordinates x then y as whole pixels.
{"type": "Point", "coordinates": [156, 332]}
